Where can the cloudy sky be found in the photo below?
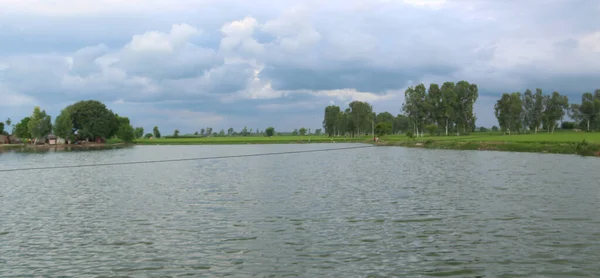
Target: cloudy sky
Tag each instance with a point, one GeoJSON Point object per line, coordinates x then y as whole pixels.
{"type": "Point", "coordinates": [190, 64]}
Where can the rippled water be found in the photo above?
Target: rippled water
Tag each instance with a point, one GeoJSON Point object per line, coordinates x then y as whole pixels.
{"type": "Point", "coordinates": [384, 211]}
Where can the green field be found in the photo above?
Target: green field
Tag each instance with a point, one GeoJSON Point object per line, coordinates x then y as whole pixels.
{"type": "Point", "coordinates": [542, 137]}
{"type": "Point", "coordinates": [247, 140]}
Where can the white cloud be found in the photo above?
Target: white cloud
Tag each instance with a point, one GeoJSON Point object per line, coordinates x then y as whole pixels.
{"type": "Point", "coordinates": [266, 56]}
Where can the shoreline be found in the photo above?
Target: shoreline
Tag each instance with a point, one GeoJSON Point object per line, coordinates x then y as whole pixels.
{"type": "Point", "coordinates": [573, 148]}
{"type": "Point", "coordinates": [582, 148]}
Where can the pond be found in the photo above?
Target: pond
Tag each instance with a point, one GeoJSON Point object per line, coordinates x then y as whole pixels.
{"type": "Point", "coordinates": [379, 211]}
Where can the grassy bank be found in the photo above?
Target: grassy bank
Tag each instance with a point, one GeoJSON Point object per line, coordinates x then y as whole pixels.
{"type": "Point", "coordinates": [582, 143]}
{"type": "Point", "coordinates": [246, 140]}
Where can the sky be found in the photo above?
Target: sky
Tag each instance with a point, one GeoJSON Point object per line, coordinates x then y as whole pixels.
{"type": "Point", "coordinates": [191, 64]}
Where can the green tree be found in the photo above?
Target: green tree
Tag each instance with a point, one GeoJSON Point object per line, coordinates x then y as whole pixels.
{"type": "Point", "coordinates": [222, 133]}
{"type": "Point", "coordinates": [588, 112]}
{"type": "Point", "coordinates": [400, 124]}
{"type": "Point", "coordinates": [202, 132]}
{"type": "Point", "coordinates": [384, 117]}
{"type": "Point", "coordinates": [567, 125]}
{"type": "Point", "coordinates": [435, 104]}
{"type": "Point", "coordinates": [295, 132]}
{"type": "Point", "coordinates": [156, 132]}
{"type": "Point", "coordinates": [383, 128]}
{"type": "Point", "coordinates": [495, 129]}
{"type": "Point", "coordinates": [318, 131]}
{"type": "Point", "coordinates": [447, 106]}
{"type": "Point", "coordinates": [466, 96]}
{"type": "Point", "coordinates": [302, 131]}
{"type": "Point", "coordinates": [360, 117]}
{"type": "Point", "coordinates": [138, 132]}
{"type": "Point", "coordinates": [40, 123]}
{"type": "Point", "coordinates": [331, 120]}
{"type": "Point", "coordinates": [21, 130]}
{"type": "Point", "coordinates": [209, 131]}
{"type": "Point", "coordinates": [176, 133]}
{"type": "Point", "coordinates": [536, 114]}
{"type": "Point", "coordinates": [92, 119]}
{"type": "Point", "coordinates": [270, 131]}
{"type": "Point", "coordinates": [1, 128]}
{"type": "Point", "coordinates": [8, 122]}
{"type": "Point", "coordinates": [528, 109]}
{"type": "Point", "coordinates": [555, 107]}
{"type": "Point", "coordinates": [244, 132]}
{"type": "Point", "coordinates": [230, 131]}
{"type": "Point", "coordinates": [431, 128]}
{"type": "Point", "coordinates": [415, 107]}
{"type": "Point", "coordinates": [148, 135]}
{"type": "Point", "coordinates": [63, 125]}
{"type": "Point", "coordinates": [126, 132]}
{"type": "Point", "coordinates": [509, 111]}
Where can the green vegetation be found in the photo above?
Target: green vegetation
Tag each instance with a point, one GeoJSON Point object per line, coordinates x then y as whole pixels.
{"type": "Point", "coordinates": [189, 140]}
{"type": "Point", "coordinates": [84, 121]}
{"type": "Point", "coordinates": [583, 143]}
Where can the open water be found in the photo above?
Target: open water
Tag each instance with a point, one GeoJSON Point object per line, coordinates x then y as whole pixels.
{"type": "Point", "coordinates": [373, 212]}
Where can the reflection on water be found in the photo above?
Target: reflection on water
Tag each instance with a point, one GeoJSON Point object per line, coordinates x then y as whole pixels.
{"type": "Point", "coordinates": [374, 212]}
{"type": "Point", "coordinates": [60, 148]}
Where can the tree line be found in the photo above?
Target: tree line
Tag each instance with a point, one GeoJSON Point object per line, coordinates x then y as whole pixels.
{"type": "Point", "coordinates": [531, 112]}
{"type": "Point", "coordinates": [449, 108]}
{"type": "Point", "coordinates": [84, 120]}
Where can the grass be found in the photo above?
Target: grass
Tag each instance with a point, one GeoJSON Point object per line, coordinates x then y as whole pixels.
{"type": "Point", "coordinates": [583, 143]}
{"type": "Point", "coordinates": [247, 140]}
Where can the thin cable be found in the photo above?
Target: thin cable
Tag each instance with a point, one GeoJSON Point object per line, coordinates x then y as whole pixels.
{"type": "Point", "coordinates": [177, 159]}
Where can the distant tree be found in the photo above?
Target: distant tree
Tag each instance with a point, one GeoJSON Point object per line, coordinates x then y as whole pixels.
{"type": "Point", "coordinates": [482, 129]}
{"type": "Point", "coordinates": [509, 112]}
{"type": "Point", "coordinates": [295, 132]}
{"type": "Point", "coordinates": [270, 131]}
{"type": "Point", "coordinates": [400, 124]}
{"type": "Point", "coordinates": [156, 132]}
{"type": "Point", "coordinates": [40, 123]}
{"type": "Point", "coordinates": [202, 132]}
{"type": "Point", "coordinates": [21, 129]}
{"type": "Point", "coordinates": [244, 132]}
{"type": "Point", "coordinates": [302, 131]}
{"type": "Point", "coordinates": [8, 122]}
{"type": "Point", "coordinates": [567, 125]}
{"type": "Point", "coordinates": [431, 128]}
{"type": "Point", "coordinates": [384, 117]}
{"type": "Point", "coordinates": [495, 129]}
{"type": "Point", "coordinates": [196, 133]}
{"type": "Point", "coordinates": [148, 135]}
{"type": "Point", "coordinates": [332, 120]}
{"type": "Point", "coordinates": [63, 125]}
{"type": "Point", "coordinates": [214, 134]}
{"type": "Point", "coordinates": [588, 112]}
{"type": "Point", "coordinates": [555, 107]}
{"type": "Point", "coordinates": [1, 128]}
{"type": "Point", "coordinates": [176, 133]}
{"type": "Point", "coordinates": [138, 132]}
{"type": "Point", "coordinates": [383, 128]}
{"type": "Point", "coordinates": [222, 133]}
{"type": "Point", "coordinates": [318, 131]}
{"type": "Point", "coordinates": [209, 131]}
{"type": "Point", "coordinates": [230, 131]}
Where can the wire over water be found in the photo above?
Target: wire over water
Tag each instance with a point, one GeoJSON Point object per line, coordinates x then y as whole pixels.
{"type": "Point", "coordinates": [179, 159]}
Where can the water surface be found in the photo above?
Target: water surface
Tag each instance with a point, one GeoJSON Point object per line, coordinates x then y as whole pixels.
{"type": "Point", "coordinates": [378, 212]}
